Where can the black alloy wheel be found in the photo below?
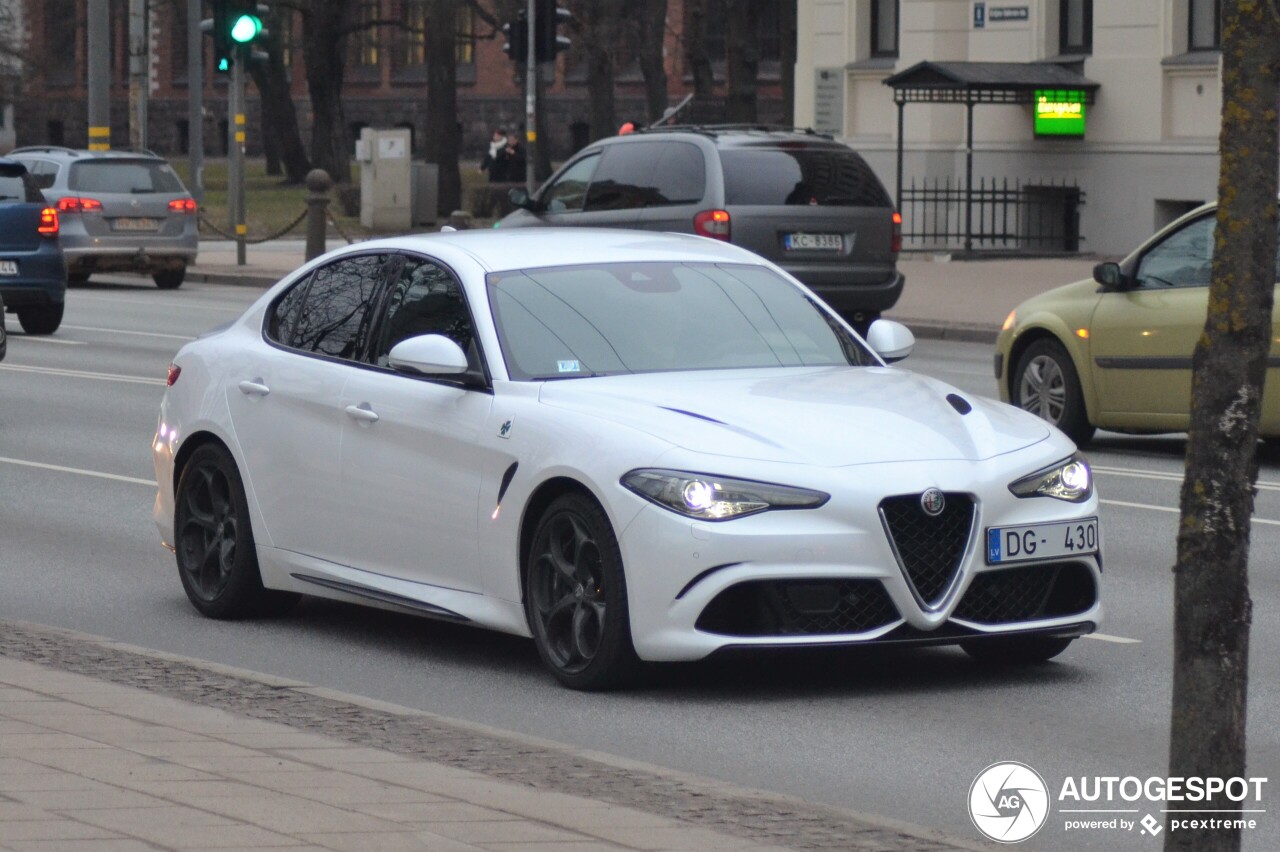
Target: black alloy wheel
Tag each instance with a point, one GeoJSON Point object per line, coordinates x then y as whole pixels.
{"type": "Point", "coordinates": [1045, 383]}
{"type": "Point", "coordinates": [217, 561]}
{"type": "Point", "coordinates": [1016, 651]}
{"type": "Point", "coordinates": [576, 598]}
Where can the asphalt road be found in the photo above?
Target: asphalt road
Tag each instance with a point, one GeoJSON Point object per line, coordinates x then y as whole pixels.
{"type": "Point", "coordinates": [898, 734]}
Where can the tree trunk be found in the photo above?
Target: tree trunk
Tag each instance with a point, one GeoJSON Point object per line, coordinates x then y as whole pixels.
{"type": "Point", "coordinates": [443, 140]}
{"type": "Point", "coordinates": [652, 15]}
{"type": "Point", "coordinates": [742, 61]}
{"type": "Point", "coordinates": [598, 20]}
{"type": "Point", "coordinates": [787, 60]}
{"type": "Point", "coordinates": [697, 62]}
{"type": "Point", "coordinates": [1212, 609]}
{"type": "Point", "coordinates": [324, 48]}
{"type": "Point", "coordinates": [281, 138]}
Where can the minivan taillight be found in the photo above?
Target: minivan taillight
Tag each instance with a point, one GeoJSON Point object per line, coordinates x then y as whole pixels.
{"type": "Point", "coordinates": [72, 204]}
{"type": "Point", "coordinates": [48, 226]}
{"type": "Point", "coordinates": [713, 224]}
{"type": "Point", "coordinates": [895, 244]}
{"type": "Point", "coordinates": [174, 372]}
{"type": "Point", "coordinates": [183, 205]}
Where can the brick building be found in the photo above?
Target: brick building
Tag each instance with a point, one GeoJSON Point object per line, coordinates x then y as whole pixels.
{"type": "Point", "coordinates": [385, 80]}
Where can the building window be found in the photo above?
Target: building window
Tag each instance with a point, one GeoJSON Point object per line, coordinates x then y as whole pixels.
{"type": "Point", "coordinates": [366, 37]}
{"type": "Point", "coordinates": [884, 28]}
{"type": "Point", "coordinates": [465, 52]}
{"type": "Point", "coordinates": [415, 33]}
{"type": "Point", "coordinates": [1204, 25]}
{"type": "Point", "coordinates": [717, 31]}
{"type": "Point", "coordinates": [178, 43]}
{"type": "Point", "coordinates": [1075, 26]}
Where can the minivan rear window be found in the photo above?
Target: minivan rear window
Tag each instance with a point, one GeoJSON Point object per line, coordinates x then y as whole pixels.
{"type": "Point", "coordinates": [802, 175]}
{"type": "Point", "coordinates": [123, 176]}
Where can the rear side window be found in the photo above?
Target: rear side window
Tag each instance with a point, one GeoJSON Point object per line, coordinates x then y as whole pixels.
{"type": "Point", "coordinates": [335, 316]}
{"type": "Point", "coordinates": [624, 179]}
{"type": "Point", "coordinates": [16, 185]}
{"type": "Point", "coordinates": [123, 176]}
{"type": "Point", "coordinates": [800, 175]}
{"type": "Point", "coordinates": [680, 175]}
{"type": "Point", "coordinates": [43, 172]}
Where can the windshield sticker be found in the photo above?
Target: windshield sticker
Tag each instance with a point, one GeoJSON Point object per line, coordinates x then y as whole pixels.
{"type": "Point", "coordinates": [568, 367]}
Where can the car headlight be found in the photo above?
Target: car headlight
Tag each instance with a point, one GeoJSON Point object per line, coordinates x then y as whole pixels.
{"type": "Point", "coordinates": [717, 498]}
{"type": "Point", "coordinates": [1070, 480]}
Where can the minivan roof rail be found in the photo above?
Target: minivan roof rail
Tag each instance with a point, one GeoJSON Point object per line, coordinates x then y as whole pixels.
{"type": "Point", "coordinates": [48, 149]}
{"type": "Point", "coordinates": [712, 129]}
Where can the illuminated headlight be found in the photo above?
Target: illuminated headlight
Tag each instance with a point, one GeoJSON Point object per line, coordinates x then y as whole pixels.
{"type": "Point", "coordinates": [1069, 479]}
{"type": "Point", "coordinates": [715, 498]}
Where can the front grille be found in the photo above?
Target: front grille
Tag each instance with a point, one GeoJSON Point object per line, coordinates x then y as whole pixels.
{"type": "Point", "coordinates": [798, 608]}
{"type": "Point", "coordinates": [930, 548]}
{"type": "Point", "coordinates": [1028, 593]}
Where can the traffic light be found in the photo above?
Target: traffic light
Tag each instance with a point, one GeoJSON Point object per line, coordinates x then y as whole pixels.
{"type": "Point", "coordinates": [244, 20]}
{"type": "Point", "coordinates": [517, 34]}
{"type": "Point", "coordinates": [547, 43]}
{"type": "Point", "coordinates": [217, 27]}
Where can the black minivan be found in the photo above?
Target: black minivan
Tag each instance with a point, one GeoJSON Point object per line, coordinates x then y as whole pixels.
{"type": "Point", "coordinates": [800, 199]}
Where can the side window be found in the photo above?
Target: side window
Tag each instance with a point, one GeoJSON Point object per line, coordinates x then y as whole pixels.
{"type": "Point", "coordinates": [624, 180]}
{"type": "Point", "coordinates": [1183, 259]}
{"type": "Point", "coordinates": [44, 173]}
{"type": "Point", "coordinates": [569, 191]}
{"type": "Point", "coordinates": [335, 316]}
{"type": "Point", "coordinates": [282, 316]}
{"type": "Point", "coordinates": [425, 299]}
{"type": "Point", "coordinates": [680, 176]}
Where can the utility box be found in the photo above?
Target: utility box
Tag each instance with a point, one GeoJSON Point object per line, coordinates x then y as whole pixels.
{"type": "Point", "coordinates": [426, 193]}
{"type": "Point", "coordinates": [386, 202]}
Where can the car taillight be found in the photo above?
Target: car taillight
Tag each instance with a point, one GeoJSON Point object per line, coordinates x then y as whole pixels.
{"type": "Point", "coordinates": [174, 372]}
{"type": "Point", "coordinates": [713, 224]}
{"type": "Point", "coordinates": [72, 204]}
{"type": "Point", "coordinates": [183, 205]}
{"type": "Point", "coordinates": [48, 222]}
{"type": "Point", "coordinates": [895, 243]}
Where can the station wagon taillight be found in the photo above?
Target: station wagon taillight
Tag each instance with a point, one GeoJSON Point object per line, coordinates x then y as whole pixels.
{"type": "Point", "coordinates": [72, 204]}
{"type": "Point", "coordinates": [174, 372]}
{"type": "Point", "coordinates": [895, 244]}
{"type": "Point", "coordinates": [182, 205]}
{"type": "Point", "coordinates": [713, 224]}
{"type": "Point", "coordinates": [48, 226]}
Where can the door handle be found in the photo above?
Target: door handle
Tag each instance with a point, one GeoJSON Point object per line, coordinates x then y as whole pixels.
{"type": "Point", "coordinates": [254, 387]}
{"type": "Point", "coordinates": [363, 413]}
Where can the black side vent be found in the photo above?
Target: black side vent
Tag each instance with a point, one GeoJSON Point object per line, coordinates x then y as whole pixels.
{"type": "Point", "coordinates": [929, 548]}
{"type": "Point", "coordinates": [1028, 593]}
{"type": "Point", "coordinates": [959, 403]}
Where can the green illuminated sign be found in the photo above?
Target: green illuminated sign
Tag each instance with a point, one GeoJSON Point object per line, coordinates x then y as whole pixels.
{"type": "Point", "coordinates": [1059, 113]}
{"type": "Point", "coordinates": [246, 28]}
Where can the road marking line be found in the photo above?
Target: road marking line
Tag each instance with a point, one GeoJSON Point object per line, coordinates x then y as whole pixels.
{"type": "Point", "coordinates": [165, 303]}
{"type": "Point", "coordinates": [80, 374]}
{"type": "Point", "coordinates": [122, 331]}
{"type": "Point", "coordinates": [57, 467]}
{"type": "Point", "coordinates": [1173, 510]}
{"type": "Point", "coordinates": [43, 339]}
{"type": "Point", "coordinates": [1107, 637]}
{"type": "Point", "coordinates": [1168, 477]}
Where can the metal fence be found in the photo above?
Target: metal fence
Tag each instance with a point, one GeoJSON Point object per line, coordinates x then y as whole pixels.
{"type": "Point", "coordinates": [997, 215]}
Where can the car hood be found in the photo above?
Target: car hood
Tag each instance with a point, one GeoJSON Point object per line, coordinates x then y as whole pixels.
{"type": "Point", "coordinates": [830, 417]}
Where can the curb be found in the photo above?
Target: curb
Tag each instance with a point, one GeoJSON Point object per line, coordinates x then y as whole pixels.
{"type": "Point", "coordinates": [935, 330]}
{"type": "Point", "coordinates": [234, 279]}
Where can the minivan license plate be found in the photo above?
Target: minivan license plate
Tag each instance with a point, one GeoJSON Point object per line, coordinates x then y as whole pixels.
{"type": "Point", "coordinates": [809, 242]}
{"type": "Point", "coordinates": [1042, 541]}
{"type": "Point", "coordinates": [8, 267]}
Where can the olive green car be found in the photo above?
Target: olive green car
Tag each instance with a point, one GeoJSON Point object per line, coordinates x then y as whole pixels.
{"type": "Point", "coordinates": [1115, 352]}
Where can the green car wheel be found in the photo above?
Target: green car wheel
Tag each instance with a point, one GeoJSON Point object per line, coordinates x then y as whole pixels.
{"type": "Point", "coordinates": [1045, 383]}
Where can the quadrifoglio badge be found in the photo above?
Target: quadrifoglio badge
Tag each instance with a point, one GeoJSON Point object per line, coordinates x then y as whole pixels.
{"type": "Point", "coordinates": [1010, 802]}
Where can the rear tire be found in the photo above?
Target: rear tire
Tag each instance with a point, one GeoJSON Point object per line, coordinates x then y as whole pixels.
{"type": "Point", "coordinates": [42, 320]}
{"type": "Point", "coordinates": [170, 279]}
{"type": "Point", "coordinates": [1016, 651]}
{"type": "Point", "coordinates": [217, 559]}
{"type": "Point", "coordinates": [77, 279]}
{"type": "Point", "coordinates": [1046, 384]}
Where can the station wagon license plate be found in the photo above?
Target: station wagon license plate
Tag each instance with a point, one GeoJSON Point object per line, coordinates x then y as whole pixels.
{"type": "Point", "coordinates": [135, 224]}
{"type": "Point", "coordinates": [813, 242]}
{"type": "Point", "coordinates": [1042, 541]}
{"type": "Point", "coordinates": [8, 267]}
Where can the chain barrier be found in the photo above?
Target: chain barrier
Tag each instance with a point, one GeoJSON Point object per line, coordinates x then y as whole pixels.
{"type": "Point", "coordinates": [258, 240]}
{"type": "Point", "coordinates": [337, 227]}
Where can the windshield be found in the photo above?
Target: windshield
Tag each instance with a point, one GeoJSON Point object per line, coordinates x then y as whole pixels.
{"type": "Point", "coordinates": [124, 176]}
{"type": "Point", "coordinates": [575, 321]}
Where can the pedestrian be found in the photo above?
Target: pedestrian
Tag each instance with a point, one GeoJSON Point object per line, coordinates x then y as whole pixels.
{"type": "Point", "coordinates": [493, 162]}
{"type": "Point", "coordinates": [513, 159]}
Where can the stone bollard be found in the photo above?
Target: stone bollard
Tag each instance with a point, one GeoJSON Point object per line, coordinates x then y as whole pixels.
{"type": "Point", "coordinates": [460, 219]}
{"type": "Point", "coordinates": [318, 183]}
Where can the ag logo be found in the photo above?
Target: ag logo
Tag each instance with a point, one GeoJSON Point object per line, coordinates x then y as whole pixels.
{"type": "Point", "coordinates": [1008, 802]}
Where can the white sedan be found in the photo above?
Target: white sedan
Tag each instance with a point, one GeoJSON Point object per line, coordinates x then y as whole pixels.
{"type": "Point", "coordinates": [629, 446]}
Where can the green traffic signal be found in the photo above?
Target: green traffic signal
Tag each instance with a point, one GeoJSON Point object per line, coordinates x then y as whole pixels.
{"type": "Point", "coordinates": [246, 29]}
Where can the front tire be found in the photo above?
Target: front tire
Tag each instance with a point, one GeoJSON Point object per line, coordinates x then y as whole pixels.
{"type": "Point", "coordinates": [1014, 650]}
{"type": "Point", "coordinates": [42, 320]}
{"type": "Point", "coordinates": [1046, 384]}
{"type": "Point", "coordinates": [576, 597]}
{"type": "Point", "coordinates": [217, 560]}
{"type": "Point", "coordinates": [170, 279]}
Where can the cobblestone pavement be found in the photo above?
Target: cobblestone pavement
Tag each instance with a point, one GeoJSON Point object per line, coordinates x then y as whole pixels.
{"type": "Point", "coordinates": [703, 809]}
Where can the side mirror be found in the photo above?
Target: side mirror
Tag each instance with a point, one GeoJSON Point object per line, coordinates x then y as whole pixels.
{"type": "Point", "coordinates": [520, 198]}
{"type": "Point", "coordinates": [428, 355]}
{"type": "Point", "coordinates": [891, 340]}
{"type": "Point", "coordinates": [1109, 275]}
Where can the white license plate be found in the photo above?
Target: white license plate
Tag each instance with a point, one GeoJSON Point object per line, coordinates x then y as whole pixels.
{"type": "Point", "coordinates": [135, 224]}
{"type": "Point", "coordinates": [8, 267]}
{"type": "Point", "coordinates": [810, 242]}
{"type": "Point", "coordinates": [1042, 541]}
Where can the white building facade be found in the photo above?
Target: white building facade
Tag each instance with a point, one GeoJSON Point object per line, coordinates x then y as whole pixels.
{"type": "Point", "coordinates": [1149, 150]}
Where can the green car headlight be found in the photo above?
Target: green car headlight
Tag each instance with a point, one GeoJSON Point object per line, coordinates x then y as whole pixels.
{"type": "Point", "coordinates": [707, 497]}
{"type": "Point", "coordinates": [1070, 480]}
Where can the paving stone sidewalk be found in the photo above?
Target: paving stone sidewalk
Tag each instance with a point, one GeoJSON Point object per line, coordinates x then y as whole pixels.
{"type": "Point", "coordinates": [105, 746]}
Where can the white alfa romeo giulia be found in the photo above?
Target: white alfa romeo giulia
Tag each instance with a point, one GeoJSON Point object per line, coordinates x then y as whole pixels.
{"type": "Point", "coordinates": [629, 446]}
